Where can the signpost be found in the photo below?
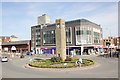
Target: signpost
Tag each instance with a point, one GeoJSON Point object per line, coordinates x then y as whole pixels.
{"type": "Point", "coordinates": [79, 62]}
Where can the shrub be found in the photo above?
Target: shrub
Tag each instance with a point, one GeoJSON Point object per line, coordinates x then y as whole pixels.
{"type": "Point", "coordinates": [68, 59]}
{"type": "Point", "coordinates": [87, 62]}
{"type": "Point", "coordinates": [56, 59]}
{"type": "Point", "coordinates": [36, 61]}
{"type": "Point", "coordinates": [49, 66]}
{"type": "Point", "coordinates": [39, 61]}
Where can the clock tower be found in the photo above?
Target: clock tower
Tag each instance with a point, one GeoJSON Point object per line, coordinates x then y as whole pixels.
{"type": "Point", "coordinates": [61, 38]}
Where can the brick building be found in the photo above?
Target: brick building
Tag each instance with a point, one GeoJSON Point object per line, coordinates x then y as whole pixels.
{"type": "Point", "coordinates": [16, 46]}
{"type": "Point", "coordinates": [13, 44]}
{"type": "Point", "coordinates": [114, 42]}
{"type": "Point", "coordinates": [117, 42]}
{"type": "Point", "coordinates": [9, 38]}
{"type": "Point", "coordinates": [110, 40]}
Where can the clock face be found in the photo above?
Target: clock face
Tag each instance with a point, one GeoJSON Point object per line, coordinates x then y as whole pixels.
{"type": "Point", "coordinates": [63, 25]}
{"type": "Point", "coordinates": [58, 25]}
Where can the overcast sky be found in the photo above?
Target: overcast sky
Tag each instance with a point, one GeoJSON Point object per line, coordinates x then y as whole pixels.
{"type": "Point", "coordinates": [18, 17]}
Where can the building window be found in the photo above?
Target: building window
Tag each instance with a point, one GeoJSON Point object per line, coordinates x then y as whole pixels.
{"type": "Point", "coordinates": [97, 37]}
{"type": "Point", "coordinates": [68, 35]}
{"type": "Point", "coordinates": [79, 32]}
{"type": "Point", "coordinates": [83, 35]}
{"type": "Point", "coordinates": [88, 32]}
{"type": "Point", "coordinates": [49, 37]}
{"type": "Point", "coordinates": [96, 34]}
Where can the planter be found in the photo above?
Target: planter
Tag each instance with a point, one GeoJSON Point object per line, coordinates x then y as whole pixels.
{"type": "Point", "coordinates": [62, 64]}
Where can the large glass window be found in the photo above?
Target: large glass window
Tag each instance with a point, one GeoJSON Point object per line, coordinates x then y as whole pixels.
{"type": "Point", "coordinates": [79, 32]}
{"type": "Point", "coordinates": [96, 34]}
{"type": "Point", "coordinates": [88, 32]}
{"type": "Point", "coordinates": [38, 38]}
{"type": "Point", "coordinates": [83, 35]}
{"type": "Point", "coordinates": [96, 37]}
{"type": "Point", "coordinates": [68, 35]}
{"type": "Point", "coordinates": [49, 37]}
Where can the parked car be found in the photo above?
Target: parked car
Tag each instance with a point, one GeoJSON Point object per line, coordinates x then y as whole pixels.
{"type": "Point", "coordinates": [28, 53]}
{"type": "Point", "coordinates": [4, 59]}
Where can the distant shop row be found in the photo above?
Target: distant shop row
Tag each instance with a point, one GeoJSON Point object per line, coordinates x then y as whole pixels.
{"type": "Point", "coordinates": [23, 46]}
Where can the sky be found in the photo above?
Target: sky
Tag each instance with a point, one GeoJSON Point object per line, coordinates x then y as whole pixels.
{"type": "Point", "coordinates": [18, 17]}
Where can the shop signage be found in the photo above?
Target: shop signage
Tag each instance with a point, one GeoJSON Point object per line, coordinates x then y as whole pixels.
{"type": "Point", "coordinates": [6, 49]}
{"type": "Point", "coordinates": [13, 48]}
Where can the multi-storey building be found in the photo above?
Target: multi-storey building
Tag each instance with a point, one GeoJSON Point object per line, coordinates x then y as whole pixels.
{"type": "Point", "coordinates": [113, 41]}
{"type": "Point", "coordinates": [13, 44]}
{"type": "Point", "coordinates": [80, 32]}
{"type": "Point", "coordinates": [117, 42]}
{"type": "Point", "coordinates": [17, 46]}
{"type": "Point", "coordinates": [109, 40]}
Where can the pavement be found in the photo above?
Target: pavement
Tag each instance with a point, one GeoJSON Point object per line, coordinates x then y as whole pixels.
{"type": "Point", "coordinates": [104, 68]}
{"type": "Point", "coordinates": [0, 70]}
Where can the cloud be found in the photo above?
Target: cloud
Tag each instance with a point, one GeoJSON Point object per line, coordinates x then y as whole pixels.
{"type": "Point", "coordinates": [108, 20]}
{"type": "Point", "coordinates": [78, 9]}
{"type": "Point", "coordinates": [106, 16]}
{"type": "Point", "coordinates": [24, 15]}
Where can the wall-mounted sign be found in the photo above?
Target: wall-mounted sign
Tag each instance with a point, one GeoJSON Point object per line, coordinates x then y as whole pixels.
{"type": "Point", "coordinates": [81, 60]}
{"type": "Point", "coordinates": [6, 49]}
{"type": "Point", "coordinates": [13, 48]}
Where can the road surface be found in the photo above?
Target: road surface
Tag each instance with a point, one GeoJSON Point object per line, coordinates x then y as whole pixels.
{"type": "Point", "coordinates": [108, 68]}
